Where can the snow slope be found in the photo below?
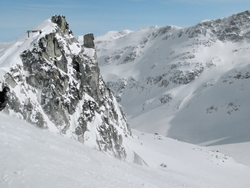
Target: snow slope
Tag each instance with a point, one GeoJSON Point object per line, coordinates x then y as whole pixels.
{"type": "Point", "coordinates": [10, 55]}
{"type": "Point", "coordinates": [191, 84]}
{"type": "Point", "coordinates": [33, 157]}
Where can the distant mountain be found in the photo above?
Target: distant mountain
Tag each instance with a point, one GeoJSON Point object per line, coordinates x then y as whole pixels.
{"type": "Point", "coordinates": [190, 84]}
{"type": "Point", "coordinates": [56, 84]}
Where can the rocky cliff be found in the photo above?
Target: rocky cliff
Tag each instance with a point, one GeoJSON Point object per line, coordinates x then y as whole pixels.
{"type": "Point", "coordinates": [56, 84]}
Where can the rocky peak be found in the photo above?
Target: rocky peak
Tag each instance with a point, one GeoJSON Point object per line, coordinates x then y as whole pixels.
{"type": "Point", "coordinates": [60, 20]}
{"type": "Point", "coordinates": [57, 86]}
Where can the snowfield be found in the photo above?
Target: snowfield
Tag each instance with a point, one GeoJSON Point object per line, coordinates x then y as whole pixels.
{"type": "Point", "coordinates": [33, 157]}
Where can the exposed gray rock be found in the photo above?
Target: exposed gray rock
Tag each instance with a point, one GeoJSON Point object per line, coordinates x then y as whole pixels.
{"type": "Point", "coordinates": [62, 23]}
{"type": "Point", "coordinates": [89, 40]}
{"type": "Point", "coordinates": [60, 87]}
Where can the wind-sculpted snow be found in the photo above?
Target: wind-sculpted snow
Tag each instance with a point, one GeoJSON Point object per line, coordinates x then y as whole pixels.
{"type": "Point", "coordinates": [56, 84]}
{"type": "Point", "coordinates": [188, 83]}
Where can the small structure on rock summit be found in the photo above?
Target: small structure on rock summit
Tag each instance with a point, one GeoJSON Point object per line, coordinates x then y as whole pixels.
{"type": "Point", "coordinates": [33, 31]}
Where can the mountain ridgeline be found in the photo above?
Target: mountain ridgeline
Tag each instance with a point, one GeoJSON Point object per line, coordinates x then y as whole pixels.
{"type": "Point", "coordinates": [190, 84]}
{"type": "Point", "coordinates": [56, 84]}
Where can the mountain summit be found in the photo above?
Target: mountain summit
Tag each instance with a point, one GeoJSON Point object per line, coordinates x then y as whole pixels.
{"type": "Point", "coordinates": [56, 84]}
{"type": "Point", "coordinates": [190, 84]}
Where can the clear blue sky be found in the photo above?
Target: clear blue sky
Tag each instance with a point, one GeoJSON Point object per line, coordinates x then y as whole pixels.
{"type": "Point", "coordinates": [100, 16]}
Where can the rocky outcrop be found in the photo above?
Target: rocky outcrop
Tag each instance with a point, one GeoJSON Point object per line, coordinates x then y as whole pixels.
{"type": "Point", "coordinates": [58, 86]}
{"type": "Point", "coordinates": [233, 28]}
{"type": "Point", "coordinates": [89, 40]}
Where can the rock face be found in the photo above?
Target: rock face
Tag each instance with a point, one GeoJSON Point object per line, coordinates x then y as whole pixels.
{"type": "Point", "coordinates": [57, 85]}
{"type": "Point", "coordinates": [89, 40]}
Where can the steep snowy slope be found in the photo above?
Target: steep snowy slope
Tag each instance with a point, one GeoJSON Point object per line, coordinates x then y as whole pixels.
{"type": "Point", "coordinates": [190, 84]}
{"type": "Point", "coordinates": [33, 157]}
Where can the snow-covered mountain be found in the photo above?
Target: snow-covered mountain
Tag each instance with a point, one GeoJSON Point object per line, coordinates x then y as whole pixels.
{"type": "Point", "coordinates": [32, 157]}
{"type": "Point", "coordinates": [191, 84]}
{"type": "Point", "coordinates": [56, 84]}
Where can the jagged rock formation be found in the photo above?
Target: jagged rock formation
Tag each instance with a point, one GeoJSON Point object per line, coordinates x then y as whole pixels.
{"type": "Point", "coordinates": [184, 81]}
{"type": "Point", "coordinates": [57, 85]}
{"type": "Point", "coordinates": [89, 40]}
